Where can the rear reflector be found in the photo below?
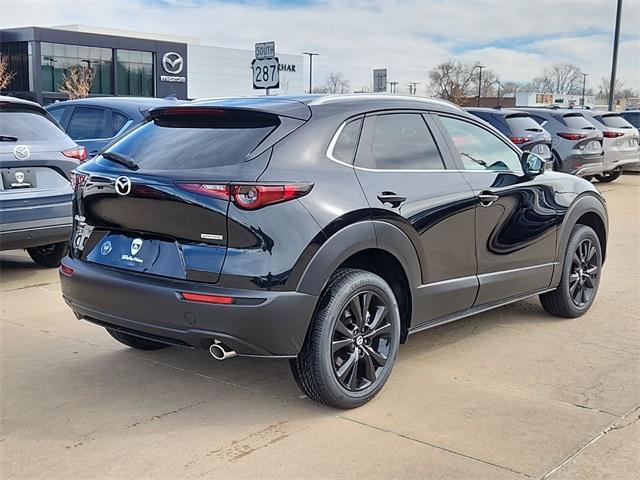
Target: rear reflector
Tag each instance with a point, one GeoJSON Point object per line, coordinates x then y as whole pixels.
{"type": "Point", "coordinates": [573, 136]}
{"type": "Point", "coordinates": [65, 270]}
{"type": "Point", "coordinates": [612, 134]}
{"type": "Point", "coordinates": [203, 298]}
{"type": "Point", "coordinates": [79, 153]}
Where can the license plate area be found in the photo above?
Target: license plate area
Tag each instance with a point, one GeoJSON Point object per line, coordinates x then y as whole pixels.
{"type": "Point", "coordinates": [18, 178]}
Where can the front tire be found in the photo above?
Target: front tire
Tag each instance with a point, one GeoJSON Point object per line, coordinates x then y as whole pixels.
{"type": "Point", "coordinates": [135, 342]}
{"type": "Point", "coordinates": [352, 343]}
{"type": "Point", "coordinates": [609, 176]}
{"type": "Point", "coordinates": [580, 276]}
{"type": "Point", "coordinates": [48, 255]}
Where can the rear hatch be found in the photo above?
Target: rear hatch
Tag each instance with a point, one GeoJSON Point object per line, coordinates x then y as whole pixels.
{"type": "Point", "coordinates": [587, 138]}
{"type": "Point", "coordinates": [619, 132]}
{"type": "Point", "coordinates": [529, 135]}
{"type": "Point", "coordinates": [156, 202]}
{"type": "Point", "coordinates": [36, 158]}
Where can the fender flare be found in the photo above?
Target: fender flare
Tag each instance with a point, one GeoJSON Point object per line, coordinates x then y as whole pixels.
{"type": "Point", "coordinates": [353, 239]}
{"type": "Point", "coordinates": [586, 203]}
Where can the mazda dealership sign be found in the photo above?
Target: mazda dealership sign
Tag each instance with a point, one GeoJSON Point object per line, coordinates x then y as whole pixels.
{"type": "Point", "coordinates": [173, 64]}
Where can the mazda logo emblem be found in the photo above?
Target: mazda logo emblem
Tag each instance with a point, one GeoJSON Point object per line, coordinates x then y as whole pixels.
{"type": "Point", "coordinates": [21, 152]}
{"type": "Point", "coordinates": [123, 185]}
{"type": "Point", "coordinates": [172, 63]}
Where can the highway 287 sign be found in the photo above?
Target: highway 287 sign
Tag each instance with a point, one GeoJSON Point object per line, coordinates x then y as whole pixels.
{"type": "Point", "coordinates": [265, 67]}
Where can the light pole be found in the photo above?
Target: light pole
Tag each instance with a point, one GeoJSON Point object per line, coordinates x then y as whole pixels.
{"type": "Point", "coordinates": [311, 55]}
{"type": "Point", "coordinates": [479, 81]}
{"type": "Point", "coordinates": [614, 62]}
{"type": "Point", "coordinates": [584, 86]}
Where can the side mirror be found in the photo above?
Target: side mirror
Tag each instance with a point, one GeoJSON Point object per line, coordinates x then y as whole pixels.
{"type": "Point", "coordinates": [532, 164]}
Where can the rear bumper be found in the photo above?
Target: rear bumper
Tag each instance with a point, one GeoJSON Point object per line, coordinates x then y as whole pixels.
{"type": "Point", "coordinates": [262, 323]}
{"type": "Point", "coordinates": [34, 233]}
{"type": "Point", "coordinates": [583, 165]}
{"type": "Point", "coordinates": [619, 158]}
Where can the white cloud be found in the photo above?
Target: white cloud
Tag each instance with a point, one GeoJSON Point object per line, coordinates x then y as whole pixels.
{"type": "Point", "coordinates": [516, 38]}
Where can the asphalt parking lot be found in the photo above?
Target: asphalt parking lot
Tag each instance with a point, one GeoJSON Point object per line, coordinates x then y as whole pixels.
{"type": "Point", "coordinates": [511, 393]}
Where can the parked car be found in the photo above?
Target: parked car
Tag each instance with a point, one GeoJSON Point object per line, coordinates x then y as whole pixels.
{"type": "Point", "coordinates": [520, 128]}
{"type": "Point", "coordinates": [576, 144]}
{"type": "Point", "coordinates": [323, 229]}
{"type": "Point", "coordinates": [95, 122]}
{"type": "Point", "coordinates": [620, 142]}
{"type": "Point", "coordinates": [36, 158]}
{"type": "Point", "coordinates": [633, 117]}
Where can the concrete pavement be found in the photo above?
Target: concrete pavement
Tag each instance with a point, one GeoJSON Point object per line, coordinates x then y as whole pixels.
{"type": "Point", "coordinates": [511, 393]}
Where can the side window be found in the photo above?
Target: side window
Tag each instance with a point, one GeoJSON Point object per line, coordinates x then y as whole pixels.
{"type": "Point", "coordinates": [480, 149]}
{"type": "Point", "coordinates": [345, 145]}
{"type": "Point", "coordinates": [87, 123]}
{"type": "Point", "coordinates": [119, 121]}
{"type": "Point", "coordinates": [400, 141]}
{"type": "Point", "coordinates": [57, 113]}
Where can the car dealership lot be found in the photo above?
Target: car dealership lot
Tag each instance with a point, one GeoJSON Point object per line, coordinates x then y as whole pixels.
{"type": "Point", "coordinates": [510, 393]}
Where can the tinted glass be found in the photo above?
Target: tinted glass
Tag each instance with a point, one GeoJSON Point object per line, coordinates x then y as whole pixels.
{"type": "Point", "coordinates": [346, 143]}
{"type": "Point", "coordinates": [577, 121]}
{"type": "Point", "coordinates": [480, 149]}
{"type": "Point", "coordinates": [119, 121]}
{"type": "Point", "coordinates": [57, 113]}
{"type": "Point", "coordinates": [86, 123]}
{"type": "Point", "coordinates": [539, 120]}
{"type": "Point", "coordinates": [185, 142]}
{"type": "Point", "coordinates": [401, 141]}
{"type": "Point", "coordinates": [28, 127]}
{"type": "Point", "coordinates": [633, 119]}
{"type": "Point", "coordinates": [614, 121]}
{"type": "Point", "coordinates": [522, 122]}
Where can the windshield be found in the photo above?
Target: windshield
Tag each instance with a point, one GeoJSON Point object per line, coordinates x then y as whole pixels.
{"type": "Point", "coordinates": [575, 120]}
{"type": "Point", "coordinates": [522, 122]}
{"type": "Point", "coordinates": [615, 121]}
{"type": "Point", "coordinates": [28, 127]}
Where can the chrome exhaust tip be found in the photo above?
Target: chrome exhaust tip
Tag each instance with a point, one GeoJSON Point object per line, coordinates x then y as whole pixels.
{"type": "Point", "coordinates": [219, 351]}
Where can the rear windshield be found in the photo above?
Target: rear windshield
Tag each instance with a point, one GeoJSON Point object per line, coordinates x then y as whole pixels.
{"type": "Point", "coordinates": [575, 120]}
{"type": "Point", "coordinates": [28, 127]}
{"type": "Point", "coordinates": [175, 142]}
{"type": "Point", "coordinates": [615, 121]}
{"type": "Point", "coordinates": [522, 122]}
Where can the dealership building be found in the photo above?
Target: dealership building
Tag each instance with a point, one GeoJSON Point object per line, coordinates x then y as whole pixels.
{"type": "Point", "coordinates": [134, 64]}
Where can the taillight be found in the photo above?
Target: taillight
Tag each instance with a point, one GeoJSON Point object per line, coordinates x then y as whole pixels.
{"type": "Point", "coordinates": [250, 196]}
{"type": "Point", "coordinates": [520, 140]}
{"type": "Point", "coordinates": [612, 134]}
{"type": "Point", "coordinates": [77, 179]}
{"type": "Point", "coordinates": [573, 136]}
{"type": "Point", "coordinates": [204, 298]}
{"type": "Point", "coordinates": [79, 153]}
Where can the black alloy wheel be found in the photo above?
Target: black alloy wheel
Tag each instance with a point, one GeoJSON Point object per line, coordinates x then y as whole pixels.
{"type": "Point", "coordinates": [361, 341]}
{"type": "Point", "coordinates": [585, 268]}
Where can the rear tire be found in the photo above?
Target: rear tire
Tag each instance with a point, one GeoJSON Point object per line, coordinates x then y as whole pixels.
{"type": "Point", "coordinates": [136, 342]}
{"type": "Point", "coordinates": [610, 176]}
{"type": "Point", "coordinates": [352, 342]}
{"type": "Point", "coordinates": [48, 256]}
{"type": "Point", "coordinates": [580, 276]}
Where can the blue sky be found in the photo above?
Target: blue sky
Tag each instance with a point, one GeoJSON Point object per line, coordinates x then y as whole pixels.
{"type": "Point", "coordinates": [515, 38]}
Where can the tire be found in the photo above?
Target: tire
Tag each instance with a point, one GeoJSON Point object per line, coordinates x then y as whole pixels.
{"type": "Point", "coordinates": [347, 358]}
{"type": "Point", "coordinates": [136, 342]}
{"type": "Point", "coordinates": [610, 176]}
{"type": "Point", "coordinates": [580, 276]}
{"type": "Point", "coordinates": [48, 255]}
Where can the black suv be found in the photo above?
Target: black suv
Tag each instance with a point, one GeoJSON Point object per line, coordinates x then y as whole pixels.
{"type": "Point", "coordinates": [323, 229]}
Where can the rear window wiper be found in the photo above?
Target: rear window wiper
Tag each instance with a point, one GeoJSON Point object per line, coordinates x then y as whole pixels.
{"type": "Point", "coordinates": [122, 159]}
{"type": "Point", "coordinates": [8, 138]}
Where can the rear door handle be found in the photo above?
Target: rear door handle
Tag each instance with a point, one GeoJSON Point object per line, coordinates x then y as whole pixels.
{"type": "Point", "coordinates": [487, 198]}
{"type": "Point", "coordinates": [391, 198]}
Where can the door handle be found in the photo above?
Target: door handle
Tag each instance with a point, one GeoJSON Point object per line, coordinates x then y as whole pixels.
{"type": "Point", "coordinates": [487, 198]}
{"type": "Point", "coordinates": [391, 198]}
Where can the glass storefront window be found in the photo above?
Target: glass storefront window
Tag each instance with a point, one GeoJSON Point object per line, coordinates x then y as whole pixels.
{"type": "Point", "coordinates": [17, 55]}
{"type": "Point", "coordinates": [56, 58]}
{"type": "Point", "coordinates": [135, 73]}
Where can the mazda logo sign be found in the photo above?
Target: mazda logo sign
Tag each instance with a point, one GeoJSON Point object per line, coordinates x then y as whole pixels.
{"type": "Point", "coordinates": [123, 185]}
{"type": "Point", "coordinates": [21, 152]}
{"type": "Point", "coordinates": [172, 63]}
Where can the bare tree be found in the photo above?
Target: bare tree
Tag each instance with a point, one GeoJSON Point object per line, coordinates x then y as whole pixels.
{"type": "Point", "coordinates": [510, 87]}
{"type": "Point", "coordinates": [560, 78]}
{"type": "Point", "coordinates": [335, 83]}
{"type": "Point", "coordinates": [76, 82]}
{"type": "Point", "coordinates": [618, 91]}
{"type": "Point", "coordinates": [452, 80]}
{"type": "Point", "coordinates": [6, 74]}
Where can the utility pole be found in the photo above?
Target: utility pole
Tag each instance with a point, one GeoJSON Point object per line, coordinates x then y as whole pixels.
{"type": "Point", "coordinates": [393, 86]}
{"type": "Point", "coordinates": [584, 86]}
{"type": "Point", "coordinates": [480, 82]}
{"type": "Point", "coordinates": [614, 62]}
{"type": "Point", "coordinates": [412, 87]}
{"type": "Point", "coordinates": [311, 55]}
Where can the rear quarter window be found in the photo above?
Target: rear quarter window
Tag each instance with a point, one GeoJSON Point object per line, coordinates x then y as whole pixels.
{"type": "Point", "coordinates": [177, 142]}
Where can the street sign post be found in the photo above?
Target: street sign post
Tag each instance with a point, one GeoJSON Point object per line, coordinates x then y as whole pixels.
{"type": "Point", "coordinates": [265, 67]}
